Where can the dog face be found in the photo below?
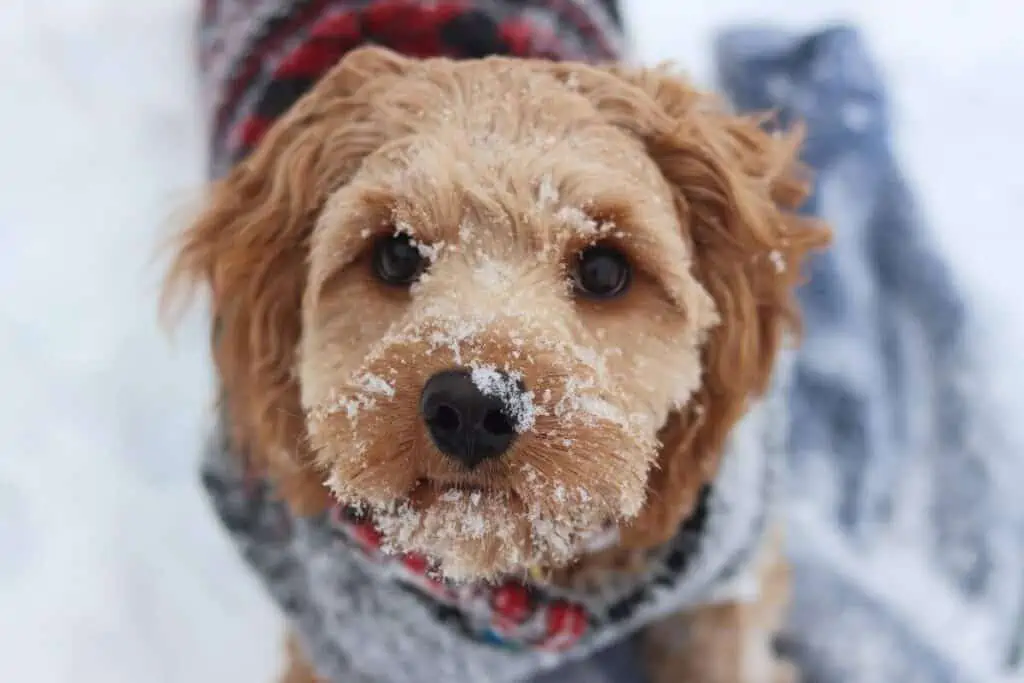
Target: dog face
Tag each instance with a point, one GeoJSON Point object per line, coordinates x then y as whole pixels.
{"type": "Point", "coordinates": [499, 317]}
{"type": "Point", "coordinates": [504, 305]}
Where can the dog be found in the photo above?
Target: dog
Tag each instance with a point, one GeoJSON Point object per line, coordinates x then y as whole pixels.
{"type": "Point", "coordinates": [484, 328]}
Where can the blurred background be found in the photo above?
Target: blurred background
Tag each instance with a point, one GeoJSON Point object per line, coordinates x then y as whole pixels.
{"type": "Point", "coordinates": [111, 566]}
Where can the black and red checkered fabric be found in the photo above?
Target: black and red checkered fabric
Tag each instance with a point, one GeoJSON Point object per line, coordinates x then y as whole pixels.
{"type": "Point", "coordinates": [258, 57]}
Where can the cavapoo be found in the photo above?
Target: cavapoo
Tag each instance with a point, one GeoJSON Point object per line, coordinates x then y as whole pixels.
{"type": "Point", "coordinates": [483, 325]}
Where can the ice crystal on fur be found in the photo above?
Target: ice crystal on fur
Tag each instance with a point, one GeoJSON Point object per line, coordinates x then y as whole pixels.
{"type": "Point", "coordinates": [547, 193]}
{"type": "Point", "coordinates": [507, 387]}
{"type": "Point", "coordinates": [431, 252]}
{"type": "Point", "coordinates": [376, 384]}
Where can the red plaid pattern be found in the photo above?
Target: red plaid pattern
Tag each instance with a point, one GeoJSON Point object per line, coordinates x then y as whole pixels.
{"type": "Point", "coordinates": [256, 70]}
{"type": "Point", "coordinates": [510, 613]}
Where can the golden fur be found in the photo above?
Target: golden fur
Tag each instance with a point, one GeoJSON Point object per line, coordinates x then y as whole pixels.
{"type": "Point", "coordinates": [501, 170]}
{"type": "Point", "coordinates": [296, 669]}
{"type": "Point", "coordinates": [726, 642]}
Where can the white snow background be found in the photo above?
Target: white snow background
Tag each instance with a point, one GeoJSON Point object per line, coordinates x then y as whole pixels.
{"type": "Point", "coordinates": [111, 566]}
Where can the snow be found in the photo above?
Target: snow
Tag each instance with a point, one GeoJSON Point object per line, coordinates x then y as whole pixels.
{"type": "Point", "coordinates": [508, 388]}
{"type": "Point", "coordinates": [111, 566]}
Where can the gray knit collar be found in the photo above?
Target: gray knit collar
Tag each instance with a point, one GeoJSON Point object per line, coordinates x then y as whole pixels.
{"type": "Point", "coordinates": [327, 575]}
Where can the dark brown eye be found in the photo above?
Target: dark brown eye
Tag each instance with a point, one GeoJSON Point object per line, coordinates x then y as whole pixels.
{"type": "Point", "coordinates": [601, 272]}
{"type": "Point", "coordinates": [397, 260]}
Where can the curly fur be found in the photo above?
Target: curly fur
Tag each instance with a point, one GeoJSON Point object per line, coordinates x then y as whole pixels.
{"type": "Point", "coordinates": [501, 168]}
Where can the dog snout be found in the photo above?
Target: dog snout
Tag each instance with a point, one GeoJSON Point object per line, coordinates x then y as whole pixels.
{"type": "Point", "coordinates": [465, 423]}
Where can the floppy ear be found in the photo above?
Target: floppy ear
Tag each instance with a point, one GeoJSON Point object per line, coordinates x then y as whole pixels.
{"type": "Point", "coordinates": [736, 188]}
{"type": "Point", "coordinates": [249, 246]}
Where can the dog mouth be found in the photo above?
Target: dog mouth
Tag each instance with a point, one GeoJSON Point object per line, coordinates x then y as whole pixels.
{"type": "Point", "coordinates": [431, 493]}
{"type": "Point", "coordinates": [443, 525]}
{"type": "Point", "coordinates": [426, 493]}
{"type": "Point", "coordinates": [493, 519]}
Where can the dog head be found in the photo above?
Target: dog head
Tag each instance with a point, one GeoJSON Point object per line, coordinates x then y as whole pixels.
{"type": "Point", "coordinates": [501, 304]}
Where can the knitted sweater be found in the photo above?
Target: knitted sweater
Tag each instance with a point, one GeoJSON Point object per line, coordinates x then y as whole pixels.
{"type": "Point", "coordinates": [362, 615]}
{"type": "Point", "coordinates": [257, 57]}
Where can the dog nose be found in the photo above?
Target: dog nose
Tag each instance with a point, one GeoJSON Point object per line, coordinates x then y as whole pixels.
{"type": "Point", "coordinates": [465, 423]}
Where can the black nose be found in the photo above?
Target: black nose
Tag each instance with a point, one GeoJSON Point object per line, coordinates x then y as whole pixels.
{"type": "Point", "coordinates": [465, 423]}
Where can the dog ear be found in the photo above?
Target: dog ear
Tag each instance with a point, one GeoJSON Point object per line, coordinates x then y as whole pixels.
{"type": "Point", "coordinates": [249, 247]}
{"type": "Point", "coordinates": [736, 189]}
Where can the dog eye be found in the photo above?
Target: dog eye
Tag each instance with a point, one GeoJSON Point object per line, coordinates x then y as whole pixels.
{"type": "Point", "coordinates": [601, 272]}
{"type": "Point", "coordinates": [397, 260]}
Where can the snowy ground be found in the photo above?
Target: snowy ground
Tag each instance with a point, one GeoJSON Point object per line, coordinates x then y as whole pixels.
{"type": "Point", "coordinates": [111, 568]}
